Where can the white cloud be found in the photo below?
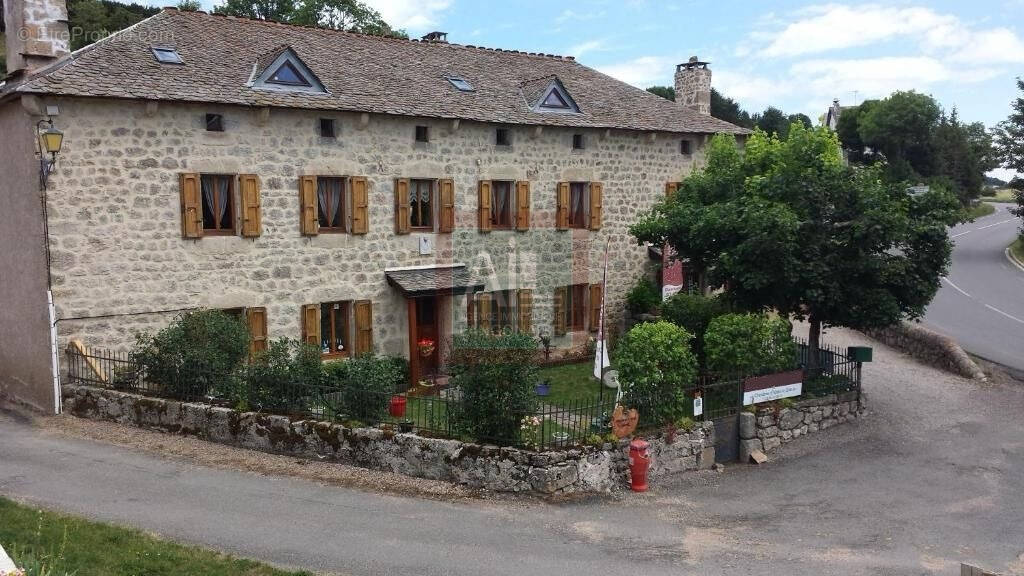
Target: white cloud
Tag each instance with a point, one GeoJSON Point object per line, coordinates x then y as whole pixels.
{"type": "Point", "coordinates": [644, 71]}
{"type": "Point", "coordinates": [413, 15]}
{"type": "Point", "coordinates": [567, 15]}
{"type": "Point", "coordinates": [991, 46]}
{"type": "Point", "coordinates": [590, 46]}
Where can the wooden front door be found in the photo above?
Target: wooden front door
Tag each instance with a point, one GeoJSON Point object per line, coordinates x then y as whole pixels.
{"type": "Point", "coordinates": [423, 325]}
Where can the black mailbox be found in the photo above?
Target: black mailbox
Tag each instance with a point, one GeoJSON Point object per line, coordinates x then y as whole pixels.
{"type": "Point", "coordinates": [859, 353]}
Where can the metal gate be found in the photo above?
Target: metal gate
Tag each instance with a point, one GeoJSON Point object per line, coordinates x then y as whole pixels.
{"type": "Point", "coordinates": [722, 402]}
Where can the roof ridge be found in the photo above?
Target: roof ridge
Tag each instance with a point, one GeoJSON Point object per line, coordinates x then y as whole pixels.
{"type": "Point", "coordinates": [374, 36]}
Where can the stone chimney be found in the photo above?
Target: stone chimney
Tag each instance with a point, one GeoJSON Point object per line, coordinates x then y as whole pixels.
{"type": "Point", "coordinates": [37, 33]}
{"type": "Point", "coordinates": [693, 85]}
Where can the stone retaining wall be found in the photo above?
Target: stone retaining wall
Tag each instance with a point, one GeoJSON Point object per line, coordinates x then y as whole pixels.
{"type": "Point", "coordinates": [768, 428]}
{"type": "Point", "coordinates": [929, 347]}
{"type": "Point", "coordinates": [578, 470]}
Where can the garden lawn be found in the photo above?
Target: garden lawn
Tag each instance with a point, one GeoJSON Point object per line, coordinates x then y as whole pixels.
{"type": "Point", "coordinates": [571, 384]}
{"type": "Point", "coordinates": [54, 544]}
{"type": "Point", "coordinates": [1001, 195]}
{"type": "Point", "coordinates": [1017, 248]}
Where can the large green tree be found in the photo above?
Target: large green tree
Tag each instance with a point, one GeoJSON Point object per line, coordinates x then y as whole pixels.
{"type": "Point", "coordinates": [722, 107]}
{"type": "Point", "coordinates": [1009, 145]}
{"type": "Point", "coordinates": [350, 15]}
{"type": "Point", "coordinates": [901, 127]}
{"type": "Point", "coordinates": [788, 226]}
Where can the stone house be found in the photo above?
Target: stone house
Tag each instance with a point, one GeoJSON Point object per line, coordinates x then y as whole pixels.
{"type": "Point", "coordinates": [358, 192]}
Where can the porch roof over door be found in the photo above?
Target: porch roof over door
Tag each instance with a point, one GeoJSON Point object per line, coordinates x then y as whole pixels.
{"type": "Point", "coordinates": [431, 280]}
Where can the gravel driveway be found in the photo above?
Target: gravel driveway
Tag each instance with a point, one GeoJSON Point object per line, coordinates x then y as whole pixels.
{"type": "Point", "coordinates": [933, 476]}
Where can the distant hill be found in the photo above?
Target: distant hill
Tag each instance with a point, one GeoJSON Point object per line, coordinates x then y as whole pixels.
{"type": "Point", "coordinates": [91, 20]}
{"type": "Point", "coordinates": [995, 182]}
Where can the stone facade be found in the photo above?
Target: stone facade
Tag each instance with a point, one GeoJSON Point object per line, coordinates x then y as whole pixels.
{"type": "Point", "coordinates": [577, 470]}
{"type": "Point", "coordinates": [120, 264]}
{"type": "Point", "coordinates": [767, 429]}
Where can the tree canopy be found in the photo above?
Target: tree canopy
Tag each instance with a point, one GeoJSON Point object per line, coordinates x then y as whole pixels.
{"type": "Point", "coordinates": [1009, 145]}
{"type": "Point", "coordinates": [722, 107]}
{"type": "Point", "coordinates": [350, 15]}
{"type": "Point", "coordinates": [918, 141]}
{"type": "Point", "coordinates": [788, 226]}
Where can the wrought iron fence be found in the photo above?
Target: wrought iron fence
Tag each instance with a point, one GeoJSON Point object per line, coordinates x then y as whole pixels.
{"type": "Point", "coordinates": [436, 412]}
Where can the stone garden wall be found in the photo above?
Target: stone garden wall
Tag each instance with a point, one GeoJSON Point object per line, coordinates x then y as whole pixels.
{"type": "Point", "coordinates": [578, 470]}
{"type": "Point", "coordinates": [929, 347]}
{"type": "Point", "coordinates": [768, 428]}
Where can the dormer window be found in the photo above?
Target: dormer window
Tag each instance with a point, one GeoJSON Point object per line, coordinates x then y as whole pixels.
{"type": "Point", "coordinates": [287, 74]}
{"type": "Point", "coordinates": [167, 55]}
{"type": "Point", "coordinates": [281, 69]}
{"type": "Point", "coordinates": [554, 100]}
{"type": "Point", "coordinates": [547, 94]}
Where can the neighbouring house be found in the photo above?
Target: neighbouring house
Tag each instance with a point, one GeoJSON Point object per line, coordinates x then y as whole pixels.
{"type": "Point", "coordinates": [359, 192]}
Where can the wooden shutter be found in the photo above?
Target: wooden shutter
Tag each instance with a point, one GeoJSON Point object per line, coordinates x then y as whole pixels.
{"type": "Point", "coordinates": [402, 222]}
{"type": "Point", "coordinates": [364, 327]}
{"type": "Point", "coordinates": [483, 305]}
{"type": "Point", "coordinates": [595, 307]}
{"type": "Point", "coordinates": [311, 325]}
{"type": "Point", "coordinates": [559, 309]}
{"type": "Point", "coordinates": [447, 201]}
{"type": "Point", "coordinates": [596, 204]}
{"type": "Point", "coordinates": [191, 206]}
{"type": "Point", "coordinates": [256, 318]}
{"type": "Point", "coordinates": [523, 205]}
{"type": "Point", "coordinates": [360, 204]}
{"type": "Point", "coordinates": [252, 221]}
{"type": "Point", "coordinates": [308, 223]}
{"type": "Point", "coordinates": [562, 213]}
{"type": "Point", "coordinates": [670, 188]}
{"type": "Point", "coordinates": [484, 205]}
{"type": "Point", "coordinates": [525, 310]}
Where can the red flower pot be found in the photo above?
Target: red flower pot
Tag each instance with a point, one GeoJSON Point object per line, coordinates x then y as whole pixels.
{"type": "Point", "coordinates": [397, 408]}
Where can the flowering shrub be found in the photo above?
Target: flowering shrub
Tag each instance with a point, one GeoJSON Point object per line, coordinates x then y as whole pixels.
{"type": "Point", "coordinates": [531, 430]}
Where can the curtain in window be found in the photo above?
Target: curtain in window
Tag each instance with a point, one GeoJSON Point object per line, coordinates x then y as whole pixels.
{"type": "Point", "coordinates": [222, 197]}
{"type": "Point", "coordinates": [321, 198]}
{"type": "Point", "coordinates": [499, 197]}
{"type": "Point", "coordinates": [577, 204]}
{"type": "Point", "coordinates": [206, 184]}
{"type": "Point", "coordinates": [328, 195]}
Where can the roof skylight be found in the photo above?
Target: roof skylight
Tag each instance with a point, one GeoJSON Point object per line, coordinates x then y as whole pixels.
{"type": "Point", "coordinates": [167, 55]}
{"type": "Point", "coordinates": [461, 84]}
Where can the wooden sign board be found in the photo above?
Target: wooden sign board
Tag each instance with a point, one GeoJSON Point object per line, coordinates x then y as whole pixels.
{"type": "Point", "coordinates": [772, 387]}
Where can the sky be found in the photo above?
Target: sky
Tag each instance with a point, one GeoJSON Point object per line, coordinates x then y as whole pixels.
{"type": "Point", "coordinates": [794, 55]}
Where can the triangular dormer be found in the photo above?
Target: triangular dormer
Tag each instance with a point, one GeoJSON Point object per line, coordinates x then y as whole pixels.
{"type": "Point", "coordinates": [282, 70]}
{"type": "Point", "coordinates": [548, 94]}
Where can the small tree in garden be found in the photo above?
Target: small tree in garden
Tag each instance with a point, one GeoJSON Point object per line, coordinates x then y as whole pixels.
{"type": "Point", "coordinates": [694, 312]}
{"type": "Point", "coordinates": [655, 363]}
{"type": "Point", "coordinates": [788, 226]}
{"type": "Point", "coordinates": [368, 383]}
{"type": "Point", "coordinates": [749, 344]}
{"type": "Point", "coordinates": [281, 378]}
{"type": "Point", "coordinates": [496, 375]}
{"type": "Point", "coordinates": [195, 355]}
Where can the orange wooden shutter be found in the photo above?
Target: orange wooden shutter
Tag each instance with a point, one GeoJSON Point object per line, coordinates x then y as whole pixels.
{"type": "Point", "coordinates": [670, 188]}
{"type": "Point", "coordinates": [360, 204]}
{"type": "Point", "coordinates": [308, 223]}
{"type": "Point", "coordinates": [402, 222]}
{"type": "Point", "coordinates": [484, 205]}
{"type": "Point", "coordinates": [559, 310]}
{"type": "Point", "coordinates": [252, 221]}
{"type": "Point", "coordinates": [523, 205]}
{"type": "Point", "coordinates": [256, 318]}
{"type": "Point", "coordinates": [447, 200]}
{"type": "Point", "coordinates": [483, 304]}
{"type": "Point", "coordinates": [562, 214]}
{"type": "Point", "coordinates": [191, 206]}
{"type": "Point", "coordinates": [595, 307]}
{"type": "Point", "coordinates": [364, 327]}
{"type": "Point", "coordinates": [596, 205]}
{"type": "Point", "coordinates": [311, 325]}
{"type": "Point", "coordinates": [525, 306]}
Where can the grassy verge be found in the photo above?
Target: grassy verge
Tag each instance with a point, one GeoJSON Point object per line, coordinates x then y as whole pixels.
{"type": "Point", "coordinates": [51, 544]}
{"type": "Point", "coordinates": [978, 210]}
{"type": "Point", "coordinates": [571, 383]}
{"type": "Point", "coordinates": [1017, 248]}
{"type": "Point", "coordinates": [1001, 195]}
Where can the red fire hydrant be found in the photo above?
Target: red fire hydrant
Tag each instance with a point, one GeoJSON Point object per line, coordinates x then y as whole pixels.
{"type": "Point", "coordinates": [639, 462]}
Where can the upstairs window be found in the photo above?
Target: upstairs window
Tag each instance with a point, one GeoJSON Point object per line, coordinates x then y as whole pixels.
{"type": "Point", "coordinates": [421, 204]}
{"type": "Point", "coordinates": [214, 123]}
{"type": "Point", "coordinates": [578, 142]}
{"type": "Point", "coordinates": [330, 195]}
{"type": "Point", "coordinates": [288, 75]}
{"type": "Point", "coordinates": [422, 134]}
{"type": "Point", "coordinates": [167, 56]}
{"type": "Point", "coordinates": [554, 100]}
{"type": "Point", "coordinates": [684, 147]}
{"type": "Point", "coordinates": [218, 207]}
{"type": "Point", "coordinates": [502, 137]}
{"type": "Point", "coordinates": [501, 204]}
{"type": "Point", "coordinates": [579, 204]}
{"type": "Point", "coordinates": [327, 128]}
{"type": "Point", "coordinates": [281, 69]}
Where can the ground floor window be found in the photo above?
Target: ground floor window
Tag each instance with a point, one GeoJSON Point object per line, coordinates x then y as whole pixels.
{"type": "Point", "coordinates": [334, 328]}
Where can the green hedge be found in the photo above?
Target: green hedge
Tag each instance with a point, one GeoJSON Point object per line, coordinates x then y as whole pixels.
{"type": "Point", "coordinates": [655, 364]}
{"type": "Point", "coordinates": [749, 344]}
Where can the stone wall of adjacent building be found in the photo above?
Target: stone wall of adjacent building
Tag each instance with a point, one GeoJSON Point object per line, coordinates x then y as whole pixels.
{"type": "Point", "coordinates": [929, 347]}
{"type": "Point", "coordinates": [121, 265]}
{"type": "Point", "coordinates": [575, 470]}
{"type": "Point", "coordinates": [770, 427]}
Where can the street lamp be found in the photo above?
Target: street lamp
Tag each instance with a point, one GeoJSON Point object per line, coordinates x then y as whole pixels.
{"type": "Point", "coordinates": [50, 140]}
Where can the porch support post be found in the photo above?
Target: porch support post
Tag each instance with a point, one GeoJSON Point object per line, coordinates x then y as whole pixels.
{"type": "Point", "coordinates": [414, 352]}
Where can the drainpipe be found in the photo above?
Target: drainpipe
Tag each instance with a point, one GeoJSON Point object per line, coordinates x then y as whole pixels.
{"type": "Point", "coordinates": [54, 359]}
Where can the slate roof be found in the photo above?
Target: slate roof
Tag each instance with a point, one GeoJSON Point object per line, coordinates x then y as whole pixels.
{"type": "Point", "coordinates": [361, 73]}
{"type": "Point", "coordinates": [455, 279]}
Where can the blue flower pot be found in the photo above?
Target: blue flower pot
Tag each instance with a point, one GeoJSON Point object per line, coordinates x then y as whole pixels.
{"type": "Point", "coordinates": [542, 389]}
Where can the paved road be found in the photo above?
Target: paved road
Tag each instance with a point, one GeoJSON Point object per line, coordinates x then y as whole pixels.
{"type": "Point", "coordinates": [981, 302]}
{"type": "Point", "coordinates": [934, 475]}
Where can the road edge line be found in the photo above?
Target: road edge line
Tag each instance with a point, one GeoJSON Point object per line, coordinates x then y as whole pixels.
{"type": "Point", "coordinates": [1013, 259]}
